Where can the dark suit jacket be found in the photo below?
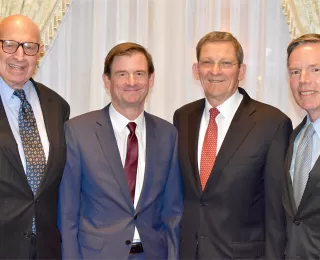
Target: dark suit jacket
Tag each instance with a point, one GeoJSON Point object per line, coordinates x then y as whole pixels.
{"type": "Point", "coordinates": [239, 214]}
{"type": "Point", "coordinates": [17, 202]}
{"type": "Point", "coordinates": [97, 217]}
{"type": "Point", "coordinates": [303, 223]}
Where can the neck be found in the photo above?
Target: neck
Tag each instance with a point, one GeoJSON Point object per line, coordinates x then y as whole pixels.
{"type": "Point", "coordinates": [130, 113]}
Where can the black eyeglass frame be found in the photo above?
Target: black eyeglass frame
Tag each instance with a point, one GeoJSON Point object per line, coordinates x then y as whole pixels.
{"type": "Point", "coordinates": [20, 44]}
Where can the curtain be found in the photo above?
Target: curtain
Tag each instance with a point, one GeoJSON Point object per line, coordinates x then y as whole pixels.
{"type": "Point", "coordinates": [303, 16]}
{"type": "Point", "coordinates": [47, 14]}
{"type": "Point", "coordinates": [170, 30]}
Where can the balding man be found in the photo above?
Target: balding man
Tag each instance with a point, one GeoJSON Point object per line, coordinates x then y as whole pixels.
{"type": "Point", "coordinates": [32, 147]}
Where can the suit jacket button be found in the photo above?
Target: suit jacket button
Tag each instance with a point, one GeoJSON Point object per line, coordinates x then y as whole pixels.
{"type": "Point", "coordinates": [27, 235]}
{"type": "Point", "coordinates": [135, 217]}
{"type": "Point", "coordinates": [128, 242]}
{"type": "Point", "coordinates": [297, 223]}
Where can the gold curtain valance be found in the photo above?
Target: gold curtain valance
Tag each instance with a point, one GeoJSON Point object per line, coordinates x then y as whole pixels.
{"type": "Point", "coordinates": [47, 14]}
{"type": "Point", "coordinates": [303, 16]}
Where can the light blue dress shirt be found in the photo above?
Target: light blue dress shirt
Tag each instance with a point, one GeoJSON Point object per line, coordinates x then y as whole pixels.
{"type": "Point", "coordinates": [11, 104]}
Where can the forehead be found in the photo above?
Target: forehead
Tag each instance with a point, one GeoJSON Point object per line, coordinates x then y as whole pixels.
{"type": "Point", "coordinates": [222, 49]}
{"type": "Point", "coordinates": [19, 31]}
{"type": "Point", "coordinates": [130, 62]}
{"type": "Point", "coordinates": [308, 53]}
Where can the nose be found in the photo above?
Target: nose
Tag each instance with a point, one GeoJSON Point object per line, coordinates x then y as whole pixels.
{"type": "Point", "coordinates": [131, 79]}
{"type": "Point", "coordinates": [19, 54]}
{"type": "Point", "coordinates": [304, 77]}
{"type": "Point", "coordinates": [215, 69]}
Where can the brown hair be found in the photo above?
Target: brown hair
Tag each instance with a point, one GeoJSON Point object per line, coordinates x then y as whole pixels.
{"type": "Point", "coordinates": [304, 39]}
{"type": "Point", "coordinates": [126, 48]}
{"type": "Point", "coordinates": [218, 36]}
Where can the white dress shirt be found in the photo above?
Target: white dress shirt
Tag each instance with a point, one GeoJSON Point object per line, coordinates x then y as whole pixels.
{"type": "Point", "coordinates": [315, 144]}
{"type": "Point", "coordinates": [227, 111]}
{"type": "Point", "coordinates": [11, 104]}
{"type": "Point", "coordinates": [121, 131]}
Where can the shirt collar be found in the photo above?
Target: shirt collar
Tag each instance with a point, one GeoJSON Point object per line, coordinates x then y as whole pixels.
{"type": "Point", "coordinates": [228, 108]}
{"type": "Point", "coordinates": [120, 121]}
{"type": "Point", "coordinates": [6, 92]}
{"type": "Point", "coordinates": [316, 125]}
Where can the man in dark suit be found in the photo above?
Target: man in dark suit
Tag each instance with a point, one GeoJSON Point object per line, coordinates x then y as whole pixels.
{"type": "Point", "coordinates": [231, 153]}
{"type": "Point", "coordinates": [121, 193]}
{"type": "Point", "coordinates": [32, 147]}
{"type": "Point", "coordinates": [301, 185]}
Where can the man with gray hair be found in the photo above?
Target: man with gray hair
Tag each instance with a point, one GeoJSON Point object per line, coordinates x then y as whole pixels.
{"type": "Point", "coordinates": [301, 185]}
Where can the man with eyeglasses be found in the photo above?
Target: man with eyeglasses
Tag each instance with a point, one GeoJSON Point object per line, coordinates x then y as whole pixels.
{"type": "Point", "coordinates": [231, 152]}
{"type": "Point", "coordinates": [32, 147]}
{"type": "Point", "coordinates": [301, 182]}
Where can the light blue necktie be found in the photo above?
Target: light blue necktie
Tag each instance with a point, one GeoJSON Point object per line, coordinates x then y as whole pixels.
{"type": "Point", "coordinates": [302, 165]}
{"type": "Point", "coordinates": [32, 145]}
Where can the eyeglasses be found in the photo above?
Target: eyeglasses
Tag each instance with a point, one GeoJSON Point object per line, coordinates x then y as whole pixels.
{"type": "Point", "coordinates": [29, 48]}
{"type": "Point", "coordinates": [223, 65]}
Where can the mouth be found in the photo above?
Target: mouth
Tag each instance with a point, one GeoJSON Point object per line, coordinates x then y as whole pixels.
{"type": "Point", "coordinates": [307, 92]}
{"type": "Point", "coordinates": [215, 80]}
{"type": "Point", "coordinates": [13, 66]}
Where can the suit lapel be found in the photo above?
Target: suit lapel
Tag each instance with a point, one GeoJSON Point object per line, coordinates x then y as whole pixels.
{"type": "Point", "coordinates": [51, 119]}
{"type": "Point", "coordinates": [288, 197]}
{"type": "Point", "coordinates": [194, 121]}
{"type": "Point", "coordinates": [151, 154]}
{"type": "Point", "coordinates": [105, 134]}
{"type": "Point", "coordinates": [240, 127]}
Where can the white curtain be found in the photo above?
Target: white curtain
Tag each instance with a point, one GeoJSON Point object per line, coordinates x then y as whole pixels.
{"type": "Point", "coordinates": [170, 29]}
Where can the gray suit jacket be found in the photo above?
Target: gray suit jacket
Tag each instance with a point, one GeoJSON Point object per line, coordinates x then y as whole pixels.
{"type": "Point", "coordinates": [97, 217]}
{"type": "Point", "coordinates": [303, 223]}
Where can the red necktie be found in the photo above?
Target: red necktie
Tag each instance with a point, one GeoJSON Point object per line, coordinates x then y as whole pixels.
{"type": "Point", "coordinates": [131, 164]}
{"type": "Point", "coordinates": [209, 148]}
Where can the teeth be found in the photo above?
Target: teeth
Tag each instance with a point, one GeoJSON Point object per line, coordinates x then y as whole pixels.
{"type": "Point", "coordinates": [306, 93]}
{"type": "Point", "coordinates": [15, 66]}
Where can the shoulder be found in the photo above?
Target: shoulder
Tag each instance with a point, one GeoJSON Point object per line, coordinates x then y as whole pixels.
{"type": "Point", "coordinates": [190, 107]}
{"type": "Point", "coordinates": [268, 112]}
{"type": "Point", "coordinates": [86, 119]}
{"type": "Point", "coordinates": [159, 123]}
{"type": "Point", "coordinates": [47, 92]}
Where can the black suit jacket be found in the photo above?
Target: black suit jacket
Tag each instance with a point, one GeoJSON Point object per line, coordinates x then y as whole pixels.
{"type": "Point", "coordinates": [303, 223]}
{"type": "Point", "coordinates": [17, 202]}
{"type": "Point", "coordinates": [239, 214]}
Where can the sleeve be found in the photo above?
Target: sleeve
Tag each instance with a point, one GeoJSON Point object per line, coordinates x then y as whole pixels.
{"type": "Point", "coordinates": [69, 198]}
{"type": "Point", "coordinates": [173, 205]}
{"type": "Point", "coordinates": [275, 223]}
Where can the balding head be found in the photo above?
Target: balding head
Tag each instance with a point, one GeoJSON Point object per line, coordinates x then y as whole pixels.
{"type": "Point", "coordinates": [16, 67]}
{"type": "Point", "coordinates": [16, 23]}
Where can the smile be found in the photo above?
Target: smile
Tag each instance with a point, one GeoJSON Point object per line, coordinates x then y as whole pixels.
{"type": "Point", "coordinates": [307, 93]}
{"type": "Point", "coordinates": [16, 66]}
{"type": "Point", "coordinates": [215, 81]}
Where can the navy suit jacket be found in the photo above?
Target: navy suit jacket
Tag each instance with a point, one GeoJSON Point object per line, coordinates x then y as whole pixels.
{"type": "Point", "coordinates": [97, 217]}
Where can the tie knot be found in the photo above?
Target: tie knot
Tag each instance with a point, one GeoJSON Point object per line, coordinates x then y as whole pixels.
{"type": "Point", "coordinates": [309, 131]}
{"type": "Point", "coordinates": [213, 113]}
{"type": "Point", "coordinates": [20, 94]}
{"type": "Point", "coordinates": [132, 127]}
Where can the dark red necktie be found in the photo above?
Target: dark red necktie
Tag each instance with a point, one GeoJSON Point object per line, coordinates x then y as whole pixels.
{"type": "Point", "coordinates": [131, 164]}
